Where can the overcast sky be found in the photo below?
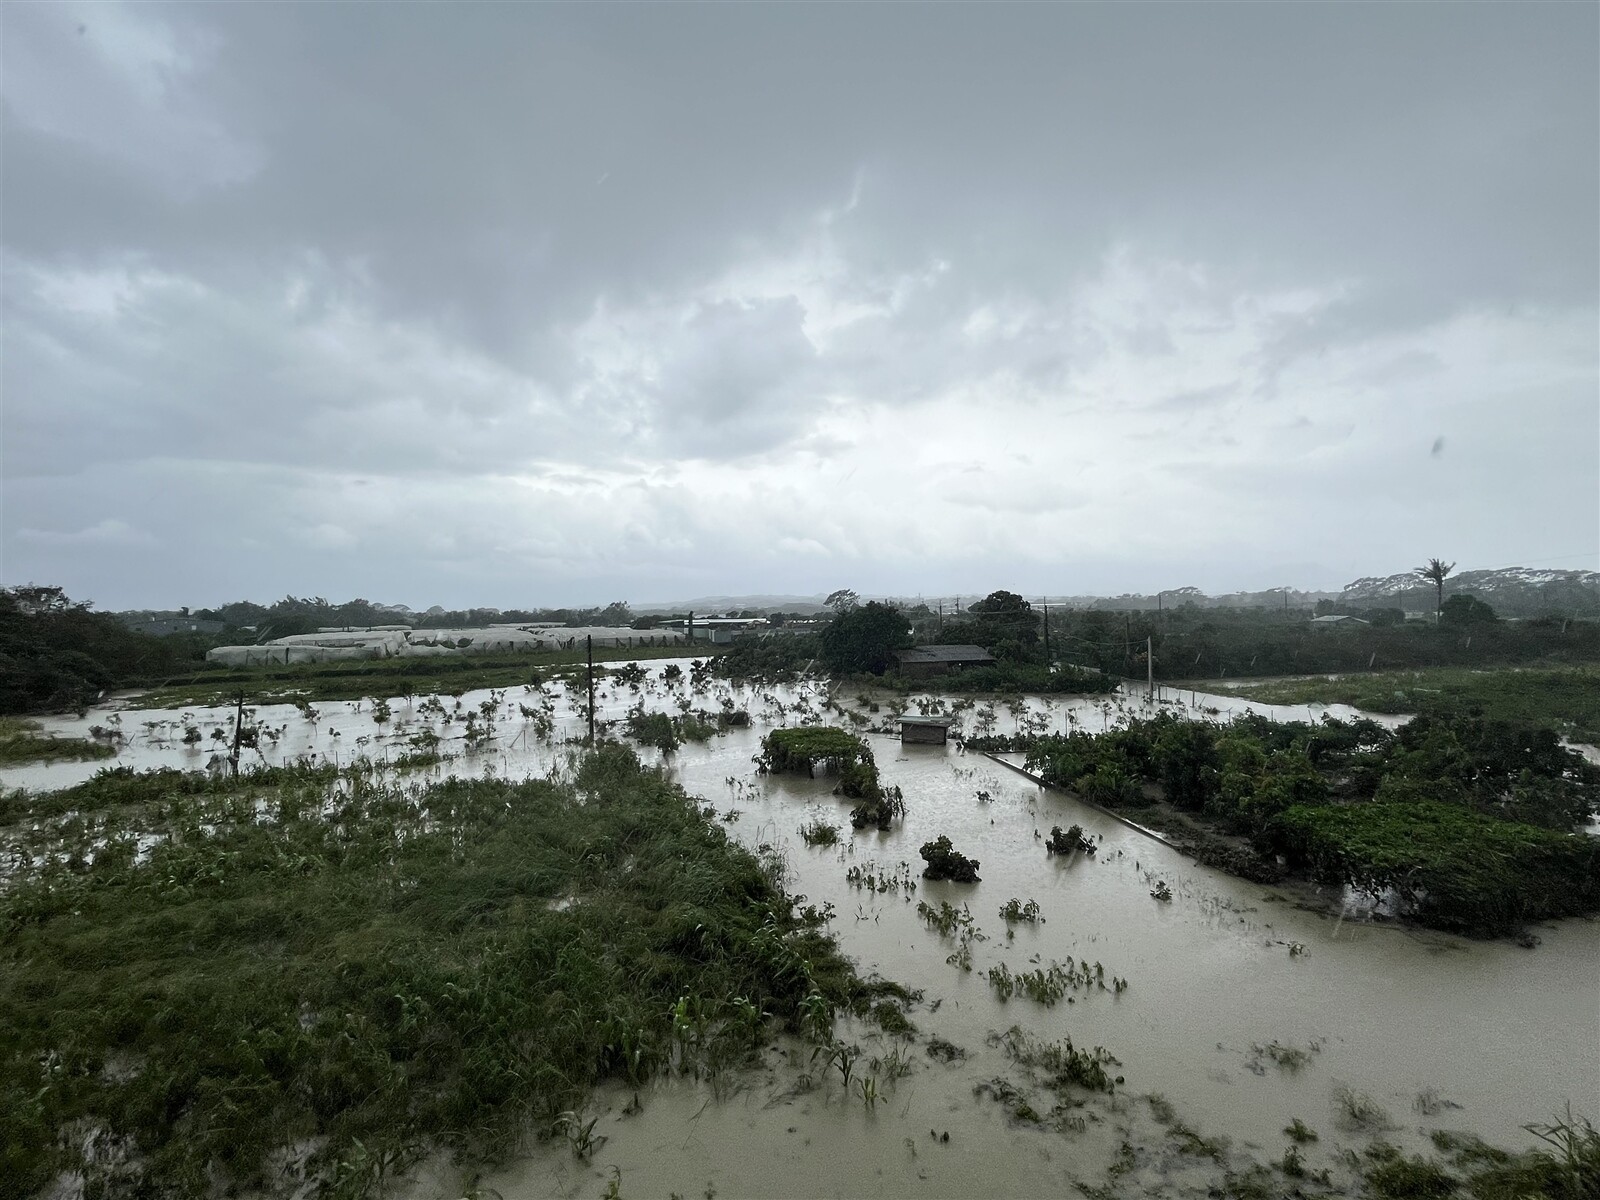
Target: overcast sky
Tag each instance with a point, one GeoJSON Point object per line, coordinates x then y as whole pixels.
{"type": "Point", "coordinates": [516, 305]}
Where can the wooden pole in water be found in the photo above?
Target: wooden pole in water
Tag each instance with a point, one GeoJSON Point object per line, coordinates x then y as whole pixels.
{"type": "Point", "coordinates": [588, 640]}
{"type": "Point", "coordinates": [1150, 666]}
{"type": "Point", "coordinates": [238, 732]}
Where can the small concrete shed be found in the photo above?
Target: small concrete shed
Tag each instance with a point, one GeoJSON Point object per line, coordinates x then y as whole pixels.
{"type": "Point", "coordinates": [930, 731]}
{"type": "Point", "coordinates": [924, 662]}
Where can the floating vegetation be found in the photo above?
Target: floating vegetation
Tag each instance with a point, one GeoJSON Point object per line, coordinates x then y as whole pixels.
{"type": "Point", "coordinates": [1061, 1063]}
{"type": "Point", "coordinates": [949, 921]}
{"type": "Point", "coordinates": [880, 808]}
{"type": "Point", "coordinates": [1429, 1103]}
{"type": "Point", "coordinates": [1299, 1132]}
{"type": "Point", "coordinates": [1161, 892]}
{"type": "Point", "coordinates": [942, 1051]}
{"type": "Point", "coordinates": [1359, 1112]}
{"type": "Point", "coordinates": [1288, 1058]}
{"type": "Point", "coordinates": [1013, 911]}
{"type": "Point", "coordinates": [946, 919]}
{"type": "Point", "coordinates": [1161, 1108]}
{"type": "Point", "coordinates": [1190, 1142]}
{"type": "Point", "coordinates": [1291, 1164]}
{"type": "Point", "coordinates": [873, 878]}
{"type": "Point", "coordinates": [946, 862]}
{"type": "Point", "coordinates": [1047, 985]}
{"type": "Point", "coordinates": [1006, 1094]}
{"type": "Point", "coordinates": [1069, 841]}
{"type": "Point", "coordinates": [819, 832]}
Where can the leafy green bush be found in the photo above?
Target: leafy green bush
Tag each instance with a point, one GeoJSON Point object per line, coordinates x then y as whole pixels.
{"type": "Point", "coordinates": [946, 862]}
{"type": "Point", "coordinates": [1452, 868]}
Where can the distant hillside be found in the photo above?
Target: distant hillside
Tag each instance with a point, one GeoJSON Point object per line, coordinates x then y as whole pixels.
{"type": "Point", "coordinates": [1510, 591]}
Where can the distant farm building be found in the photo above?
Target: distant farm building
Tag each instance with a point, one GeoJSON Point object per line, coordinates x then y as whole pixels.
{"type": "Point", "coordinates": [167, 626]}
{"type": "Point", "coordinates": [925, 662]}
{"type": "Point", "coordinates": [931, 731]}
{"type": "Point", "coordinates": [1336, 619]}
{"type": "Point", "coordinates": [719, 631]}
{"type": "Point", "coordinates": [404, 642]}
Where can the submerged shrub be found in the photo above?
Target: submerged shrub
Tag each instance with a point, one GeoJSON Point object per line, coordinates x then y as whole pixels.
{"type": "Point", "coordinates": [819, 833]}
{"type": "Point", "coordinates": [946, 862]}
{"type": "Point", "coordinates": [1067, 842]}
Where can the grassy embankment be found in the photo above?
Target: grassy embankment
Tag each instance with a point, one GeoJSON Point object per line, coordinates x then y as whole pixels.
{"type": "Point", "coordinates": [417, 970]}
{"type": "Point", "coordinates": [1566, 699]}
{"type": "Point", "coordinates": [20, 743]}
{"type": "Point", "coordinates": [387, 677]}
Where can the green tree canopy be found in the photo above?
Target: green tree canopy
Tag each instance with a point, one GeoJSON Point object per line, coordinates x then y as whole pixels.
{"type": "Point", "coordinates": [1002, 622]}
{"type": "Point", "coordinates": [864, 638]}
{"type": "Point", "coordinates": [1466, 610]}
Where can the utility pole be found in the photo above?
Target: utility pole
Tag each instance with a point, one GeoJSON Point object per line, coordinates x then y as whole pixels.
{"type": "Point", "coordinates": [588, 642]}
{"type": "Point", "coordinates": [691, 627]}
{"type": "Point", "coordinates": [1150, 665]}
{"type": "Point", "coordinates": [941, 619]}
{"type": "Point", "coordinates": [238, 735]}
{"type": "Point", "coordinates": [1045, 605]}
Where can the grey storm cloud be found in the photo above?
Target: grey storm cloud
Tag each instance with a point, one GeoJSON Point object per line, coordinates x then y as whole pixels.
{"type": "Point", "coordinates": [514, 304]}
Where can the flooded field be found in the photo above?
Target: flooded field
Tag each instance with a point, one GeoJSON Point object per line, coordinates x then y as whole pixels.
{"type": "Point", "coordinates": [1243, 1011]}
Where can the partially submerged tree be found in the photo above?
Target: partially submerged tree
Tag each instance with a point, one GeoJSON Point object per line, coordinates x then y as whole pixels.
{"type": "Point", "coordinates": [1435, 571]}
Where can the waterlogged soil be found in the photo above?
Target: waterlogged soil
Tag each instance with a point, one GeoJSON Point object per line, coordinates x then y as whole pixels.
{"type": "Point", "coordinates": [1243, 1009]}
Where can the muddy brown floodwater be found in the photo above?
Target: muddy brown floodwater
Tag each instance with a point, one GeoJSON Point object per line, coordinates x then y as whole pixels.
{"type": "Point", "coordinates": [1441, 1032]}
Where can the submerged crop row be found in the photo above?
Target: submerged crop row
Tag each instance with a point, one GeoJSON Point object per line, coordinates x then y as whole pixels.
{"type": "Point", "coordinates": [248, 984]}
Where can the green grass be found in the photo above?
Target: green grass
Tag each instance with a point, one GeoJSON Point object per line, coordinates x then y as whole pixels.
{"type": "Point", "coordinates": [423, 968]}
{"type": "Point", "coordinates": [1567, 699]}
{"type": "Point", "coordinates": [358, 678]}
{"type": "Point", "coordinates": [20, 743]}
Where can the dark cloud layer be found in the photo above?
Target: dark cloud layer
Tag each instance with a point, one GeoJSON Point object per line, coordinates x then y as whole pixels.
{"type": "Point", "coordinates": [516, 303]}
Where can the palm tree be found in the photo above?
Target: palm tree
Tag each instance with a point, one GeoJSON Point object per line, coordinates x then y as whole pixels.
{"type": "Point", "coordinates": [1434, 572]}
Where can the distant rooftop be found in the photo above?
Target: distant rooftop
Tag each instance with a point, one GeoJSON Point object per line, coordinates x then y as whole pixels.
{"type": "Point", "coordinates": [944, 654]}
